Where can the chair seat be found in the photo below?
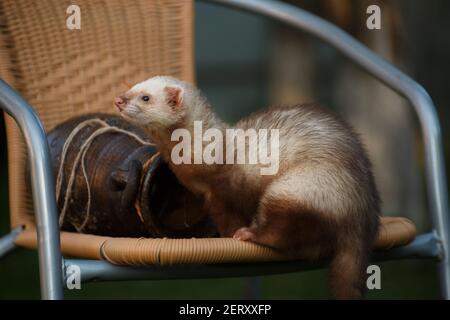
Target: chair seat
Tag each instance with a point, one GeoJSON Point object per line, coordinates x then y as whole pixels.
{"type": "Point", "coordinates": [393, 232]}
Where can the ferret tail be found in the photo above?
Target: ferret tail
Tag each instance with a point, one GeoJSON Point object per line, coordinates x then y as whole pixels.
{"type": "Point", "coordinates": [347, 274]}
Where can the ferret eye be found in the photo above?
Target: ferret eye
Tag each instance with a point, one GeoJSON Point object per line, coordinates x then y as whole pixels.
{"type": "Point", "coordinates": [146, 98]}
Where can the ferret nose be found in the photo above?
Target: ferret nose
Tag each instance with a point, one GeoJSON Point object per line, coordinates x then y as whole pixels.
{"type": "Point", "coordinates": [119, 102]}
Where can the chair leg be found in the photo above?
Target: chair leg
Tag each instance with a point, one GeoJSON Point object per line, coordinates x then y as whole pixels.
{"type": "Point", "coordinates": [7, 242]}
{"type": "Point", "coordinates": [444, 270]}
{"type": "Point", "coordinates": [444, 267]}
{"type": "Point", "coordinates": [253, 288]}
{"type": "Point", "coordinates": [43, 190]}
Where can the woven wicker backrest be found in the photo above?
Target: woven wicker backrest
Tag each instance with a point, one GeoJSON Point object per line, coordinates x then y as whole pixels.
{"type": "Point", "coordinates": [63, 73]}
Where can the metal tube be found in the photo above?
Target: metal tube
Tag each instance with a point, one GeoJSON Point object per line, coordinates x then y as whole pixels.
{"type": "Point", "coordinates": [43, 189]}
{"type": "Point", "coordinates": [7, 242]}
{"type": "Point", "coordinates": [424, 247]}
{"type": "Point", "coordinates": [395, 79]}
{"type": "Point", "coordinates": [95, 270]}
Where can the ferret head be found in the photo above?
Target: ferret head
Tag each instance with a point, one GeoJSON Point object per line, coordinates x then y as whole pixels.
{"type": "Point", "coordinates": [159, 103]}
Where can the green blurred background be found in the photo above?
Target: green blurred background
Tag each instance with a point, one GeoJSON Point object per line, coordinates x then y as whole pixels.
{"type": "Point", "coordinates": [245, 63]}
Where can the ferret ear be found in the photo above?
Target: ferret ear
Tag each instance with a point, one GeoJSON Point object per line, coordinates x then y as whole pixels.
{"type": "Point", "coordinates": [174, 95]}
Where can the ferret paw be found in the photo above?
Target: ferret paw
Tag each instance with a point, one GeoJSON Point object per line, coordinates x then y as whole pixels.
{"type": "Point", "coordinates": [243, 234]}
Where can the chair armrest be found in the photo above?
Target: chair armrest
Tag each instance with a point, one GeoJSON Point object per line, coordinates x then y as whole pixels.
{"type": "Point", "coordinates": [43, 190]}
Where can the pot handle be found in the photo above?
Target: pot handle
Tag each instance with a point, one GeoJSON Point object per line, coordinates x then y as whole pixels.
{"type": "Point", "coordinates": [128, 181]}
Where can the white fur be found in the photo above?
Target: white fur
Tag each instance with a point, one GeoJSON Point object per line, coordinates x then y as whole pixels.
{"type": "Point", "coordinates": [156, 112]}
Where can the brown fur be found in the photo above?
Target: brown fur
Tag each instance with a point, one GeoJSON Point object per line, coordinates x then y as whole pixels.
{"type": "Point", "coordinates": [322, 202]}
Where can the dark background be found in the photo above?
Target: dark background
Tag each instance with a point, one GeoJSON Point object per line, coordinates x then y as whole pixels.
{"type": "Point", "coordinates": [238, 68]}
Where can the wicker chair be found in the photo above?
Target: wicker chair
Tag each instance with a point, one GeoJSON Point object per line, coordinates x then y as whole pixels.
{"type": "Point", "coordinates": [63, 73]}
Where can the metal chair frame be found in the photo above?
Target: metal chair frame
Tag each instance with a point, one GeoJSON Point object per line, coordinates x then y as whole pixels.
{"type": "Point", "coordinates": [53, 268]}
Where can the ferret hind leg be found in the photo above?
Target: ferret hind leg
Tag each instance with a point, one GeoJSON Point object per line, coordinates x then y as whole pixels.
{"type": "Point", "coordinates": [288, 223]}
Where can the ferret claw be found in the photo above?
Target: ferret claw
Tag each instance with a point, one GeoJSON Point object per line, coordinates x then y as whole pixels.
{"type": "Point", "coordinates": [243, 234]}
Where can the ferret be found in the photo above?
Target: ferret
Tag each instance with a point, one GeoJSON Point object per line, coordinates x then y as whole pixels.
{"type": "Point", "coordinates": [322, 202]}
